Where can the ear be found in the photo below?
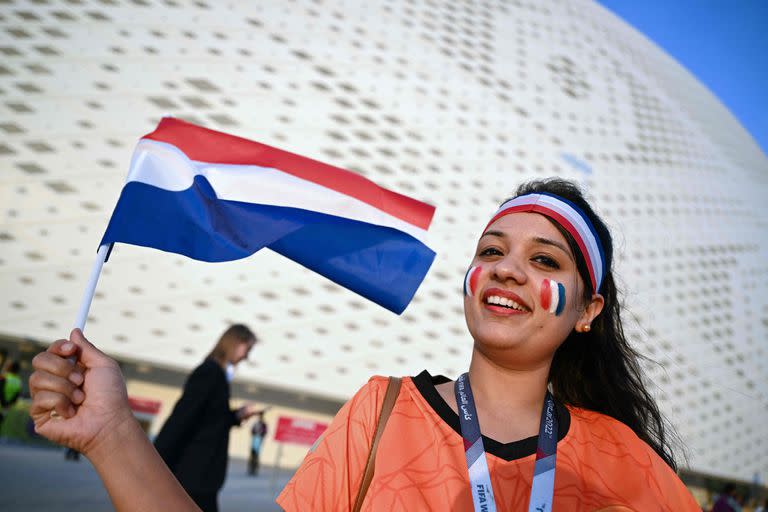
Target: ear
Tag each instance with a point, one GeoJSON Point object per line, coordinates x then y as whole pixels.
{"type": "Point", "coordinates": [595, 306]}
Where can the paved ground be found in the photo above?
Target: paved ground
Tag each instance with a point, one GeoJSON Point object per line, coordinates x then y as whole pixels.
{"type": "Point", "coordinates": [35, 479]}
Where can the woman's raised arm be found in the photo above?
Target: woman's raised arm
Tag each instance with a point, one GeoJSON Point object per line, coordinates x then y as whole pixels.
{"type": "Point", "coordinates": [84, 405]}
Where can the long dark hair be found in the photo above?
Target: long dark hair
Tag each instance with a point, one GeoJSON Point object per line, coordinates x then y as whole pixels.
{"type": "Point", "coordinates": [599, 370]}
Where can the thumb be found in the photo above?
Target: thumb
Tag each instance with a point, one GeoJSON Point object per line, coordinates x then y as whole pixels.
{"type": "Point", "coordinates": [89, 356]}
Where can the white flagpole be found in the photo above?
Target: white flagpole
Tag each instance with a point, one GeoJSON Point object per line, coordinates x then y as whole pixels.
{"type": "Point", "coordinates": [90, 288]}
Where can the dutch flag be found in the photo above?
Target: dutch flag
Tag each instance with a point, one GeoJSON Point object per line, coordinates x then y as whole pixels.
{"type": "Point", "coordinates": [216, 197]}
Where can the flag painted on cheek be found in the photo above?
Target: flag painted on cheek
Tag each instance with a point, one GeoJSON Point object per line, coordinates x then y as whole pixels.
{"type": "Point", "coordinates": [470, 280]}
{"type": "Point", "coordinates": [216, 197]}
{"type": "Point", "coordinates": [552, 296]}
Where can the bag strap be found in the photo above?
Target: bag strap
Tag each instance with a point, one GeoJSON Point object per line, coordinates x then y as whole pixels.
{"type": "Point", "coordinates": [390, 397]}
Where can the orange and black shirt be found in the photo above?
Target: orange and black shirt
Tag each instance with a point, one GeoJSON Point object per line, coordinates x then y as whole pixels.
{"type": "Point", "coordinates": [420, 462]}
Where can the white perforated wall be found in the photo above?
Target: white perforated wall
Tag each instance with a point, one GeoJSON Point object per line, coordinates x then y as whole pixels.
{"type": "Point", "coordinates": [452, 102]}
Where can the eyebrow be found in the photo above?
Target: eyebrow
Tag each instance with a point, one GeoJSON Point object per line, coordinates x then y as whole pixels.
{"type": "Point", "coordinates": [547, 241]}
{"type": "Point", "coordinates": [537, 239]}
{"type": "Point", "coordinates": [494, 233]}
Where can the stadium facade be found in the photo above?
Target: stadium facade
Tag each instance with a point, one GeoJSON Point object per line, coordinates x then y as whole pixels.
{"type": "Point", "coordinates": [454, 103]}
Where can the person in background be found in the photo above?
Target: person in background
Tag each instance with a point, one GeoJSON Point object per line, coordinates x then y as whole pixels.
{"type": "Point", "coordinates": [726, 502]}
{"type": "Point", "coordinates": [258, 433]}
{"type": "Point", "coordinates": [70, 454]}
{"type": "Point", "coordinates": [194, 440]}
{"type": "Point", "coordinates": [10, 388]}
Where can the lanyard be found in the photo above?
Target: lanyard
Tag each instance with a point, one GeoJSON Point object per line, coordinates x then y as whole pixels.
{"type": "Point", "coordinates": [477, 464]}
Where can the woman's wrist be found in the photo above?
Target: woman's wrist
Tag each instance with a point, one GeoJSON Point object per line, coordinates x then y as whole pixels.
{"type": "Point", "coordinates": [120, 434]}
{"type": "Point", "coordinates": [133, 473]}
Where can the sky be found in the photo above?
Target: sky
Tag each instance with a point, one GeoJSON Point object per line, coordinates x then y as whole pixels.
{"type": "Point", "coordinates": [724, 43]}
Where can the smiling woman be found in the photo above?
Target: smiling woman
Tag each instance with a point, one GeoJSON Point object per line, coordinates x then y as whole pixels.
{"type": "Point", "coordinates": [553, 413]}
{"type": "Point", "coordinates": [507, 320]}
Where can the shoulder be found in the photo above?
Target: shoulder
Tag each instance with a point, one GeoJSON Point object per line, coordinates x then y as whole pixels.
{"type": "Point", "coordinates": [603, 426]}
{"type": "Point", "coordinates": [376, 383]}
{"type": "Point", "coordinates": [370, 397]}
{"type": "Point", "coordinates": [355, 422]}
{"type": "Point", "coordinates": [329, 477]}
{"type": "Point", "coordinates": [208, 371]}
{"type": "Point", "coordinates": [207, 367]}
{"type": "Point", "coordinates": [600, 433]}
{"type": "Point", "coordinates": [604, 447]}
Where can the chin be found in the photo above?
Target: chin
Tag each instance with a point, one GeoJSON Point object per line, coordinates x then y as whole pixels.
{"type": "Point", "coordinates": [497, 336]}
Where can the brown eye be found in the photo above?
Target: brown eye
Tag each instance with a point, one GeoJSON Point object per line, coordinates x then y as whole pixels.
{"type": "Point", "coordinates": [547, 261]}
{"type": "Point", "coordinates": [490, 251]}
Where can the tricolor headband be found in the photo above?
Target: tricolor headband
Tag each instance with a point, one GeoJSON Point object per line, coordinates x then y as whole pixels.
{"type": "Point", "coordinates": [570, 217]}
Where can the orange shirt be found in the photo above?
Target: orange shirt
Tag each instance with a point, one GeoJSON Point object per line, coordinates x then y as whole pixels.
{"type": "Point", "coordinates": [420, 462]}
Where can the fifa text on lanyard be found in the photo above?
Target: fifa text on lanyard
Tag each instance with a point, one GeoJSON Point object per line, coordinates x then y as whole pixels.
{"type": "Point", "coordinates": [477, 464]}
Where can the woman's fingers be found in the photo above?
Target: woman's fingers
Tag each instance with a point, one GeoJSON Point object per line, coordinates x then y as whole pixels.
{"type": "Point", "coordinates": [54, 385]}
{"type": "Point", "coordinates": [64, 348]}
{"type": "Point", "coordinates": [47, 401]}
{"type": "Point", "coordinates": [44, 381]}
{"type": "Point", "coordinates": [60, 374]}
{"type": "Point", "coordinates": [89, 355]}
{"type": "Point", "coordinates": [54, 364]}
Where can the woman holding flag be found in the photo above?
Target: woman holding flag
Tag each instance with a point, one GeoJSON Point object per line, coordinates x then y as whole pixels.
{"type": "Point", "coordinates": [553, 413]}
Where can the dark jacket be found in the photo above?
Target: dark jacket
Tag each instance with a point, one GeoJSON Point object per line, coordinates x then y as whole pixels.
{"type": "Point", "coordinates": [194, 440]}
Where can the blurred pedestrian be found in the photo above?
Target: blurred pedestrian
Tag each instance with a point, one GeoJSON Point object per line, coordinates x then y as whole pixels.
{"type": "Point", "coordinates": [195, 438]}
{"type": "Point", "coordinates": [258, 433]}
{"type": "Point", "coordinates": [10, 388]}
{"type": "Point", "coordinates": [71, 454]}
{"type": "Point", "coordinates": [726, 502]}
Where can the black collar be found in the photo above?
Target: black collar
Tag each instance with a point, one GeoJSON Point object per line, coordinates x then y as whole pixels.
{"type": "Point", "coordinates": [425, 383]}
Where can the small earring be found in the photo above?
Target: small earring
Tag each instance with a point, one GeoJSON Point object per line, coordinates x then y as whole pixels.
{"type": "Point", "coordinates": [586, 328]}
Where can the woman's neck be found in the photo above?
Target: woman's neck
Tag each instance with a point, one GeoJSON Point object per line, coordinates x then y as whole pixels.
{"type": "Point", "coordinates": [509, 400]}
{"type": "Point", "coordinates": [500, 386]}
{"type": "Point", "coordinates": [221, 361]}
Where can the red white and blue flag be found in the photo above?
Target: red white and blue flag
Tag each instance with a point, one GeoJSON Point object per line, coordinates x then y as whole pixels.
{"type": "Point", "coordinates": [216, 197]}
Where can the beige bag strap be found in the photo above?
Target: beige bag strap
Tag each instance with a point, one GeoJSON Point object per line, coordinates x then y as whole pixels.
{"type": "Point", "coordinates": [393, 389]}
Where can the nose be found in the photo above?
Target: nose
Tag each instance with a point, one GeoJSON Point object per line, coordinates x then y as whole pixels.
{"type": "Point", "coordinates": [509, 268]}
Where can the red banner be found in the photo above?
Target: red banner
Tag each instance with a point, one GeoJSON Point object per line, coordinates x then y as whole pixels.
{"type": "Point", "coordinates": [298, 430]}
{"type": "Point", "coordinates": [144, 405]}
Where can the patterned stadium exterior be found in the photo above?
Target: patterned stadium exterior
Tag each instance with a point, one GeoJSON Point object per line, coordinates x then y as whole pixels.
{"type": "Point", "coordinates": [454, 103]}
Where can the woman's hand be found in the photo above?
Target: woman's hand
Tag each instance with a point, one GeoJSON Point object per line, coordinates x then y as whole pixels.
{"type": "Point", "coordinates": [247, 411]}
{"type": "Point", "coordinates": [77, 404]}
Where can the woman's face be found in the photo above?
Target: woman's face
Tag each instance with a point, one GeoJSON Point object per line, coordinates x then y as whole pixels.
{"type": "Point", "coordinates": [240, 351]}
{"type": "Point", "coordinates": [515, 255]}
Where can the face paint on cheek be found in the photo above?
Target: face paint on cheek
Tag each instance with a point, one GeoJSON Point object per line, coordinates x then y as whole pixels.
{"type": "Point", "coordinates": [470, 280]}
{"type": "Point", "coordinates": [552, 296]}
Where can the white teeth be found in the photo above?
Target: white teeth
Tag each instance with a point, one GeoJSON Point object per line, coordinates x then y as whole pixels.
{"type": "Point", "coordinates": [503, 301]}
